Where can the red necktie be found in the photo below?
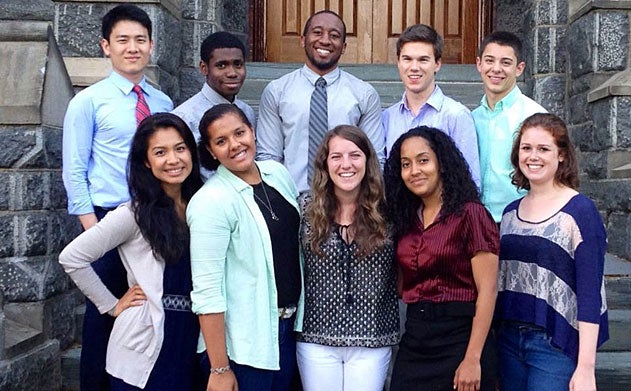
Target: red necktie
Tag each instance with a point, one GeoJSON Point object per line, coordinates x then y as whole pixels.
{"type": "Point", "coordinates": [142, 109]}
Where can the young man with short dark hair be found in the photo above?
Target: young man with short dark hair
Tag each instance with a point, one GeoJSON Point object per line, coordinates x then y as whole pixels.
{"type": "Point", "coordinates": [419, 53]}
{"type": "Point", "coordinates": [99, 125]}
{"type": "Point", "coordinates": [500, 114]}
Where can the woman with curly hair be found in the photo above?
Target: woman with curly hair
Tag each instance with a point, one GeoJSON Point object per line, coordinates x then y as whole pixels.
{"type": "Point", "coordinates": [551, 305]}
{"type": "Point", "coordinates": [351, 314]}
{"type": "Point", "coordinates": [447, 245]}
{"type": "Point", "coordinates": [153, 342]}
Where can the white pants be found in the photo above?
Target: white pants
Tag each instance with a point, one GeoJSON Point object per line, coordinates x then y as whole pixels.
{"type": "Point", "coordinates": [342, 369]}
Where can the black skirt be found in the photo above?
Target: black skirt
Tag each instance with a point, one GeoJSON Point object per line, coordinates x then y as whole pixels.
{"type": "Point", "coordinates": [433, 346]}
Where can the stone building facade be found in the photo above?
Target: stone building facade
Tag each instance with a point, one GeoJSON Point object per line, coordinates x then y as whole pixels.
{"type": "Point", "coordinates": [579, 67]}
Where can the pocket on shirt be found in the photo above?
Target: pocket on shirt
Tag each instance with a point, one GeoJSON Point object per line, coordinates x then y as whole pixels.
{"type": "Point", "coordinates": [133, 328]}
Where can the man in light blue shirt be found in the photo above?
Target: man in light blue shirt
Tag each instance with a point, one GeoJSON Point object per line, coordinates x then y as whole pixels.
{"type": "Point", "coordinates": [283, 127]}
{"type": "Point", "coordinates": [99, 125]}
{"type": "Point", "coordinates": [502, 110]}
{"type": "Point", "coordinates": [419, 53]}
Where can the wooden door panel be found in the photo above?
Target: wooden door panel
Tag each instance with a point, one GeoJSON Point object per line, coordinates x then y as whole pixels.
{"type": "Point", "coordinates": [455, 20]}
{"type": "Point", "coordinates": [373, 27]}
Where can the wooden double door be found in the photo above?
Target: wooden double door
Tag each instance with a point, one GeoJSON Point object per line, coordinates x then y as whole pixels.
{"type": "Point", "coordinates": [373, 27]}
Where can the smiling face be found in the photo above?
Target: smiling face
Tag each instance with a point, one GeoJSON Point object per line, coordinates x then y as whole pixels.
{"type": "Point", "coordinates": [168, 158]}
{"type": "Point", "coordinates": [232, 143]}
{"type": "Point", "coordinates": [323, 42]}
{"type": "Point", "coordinates": [420, 170]}
{"type": "Point", "coordinates": [499, 70]}
{"type": "Point", "coordinates": [225, 71]}
{"type": "Point", "coordinates": [538, 156]}
{"type": "Point", "coordinates": [128, 47]}
{"type": "Point", "coordinates": [417, 67]}
{"type": "Point", "coordinates": [346, 165]}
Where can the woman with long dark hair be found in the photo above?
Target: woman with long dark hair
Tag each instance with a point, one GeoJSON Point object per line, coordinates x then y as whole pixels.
{"type": "Point", "coordinates": [152, 344]}
{"type": "Point", "coordinates": [245, 259]}
{"type": "Point", "coordinates": [349, 266]}
{"type": "Point", "coordinates": [447, 245]}
{"type": "Point", "coordinates": [551, 306]}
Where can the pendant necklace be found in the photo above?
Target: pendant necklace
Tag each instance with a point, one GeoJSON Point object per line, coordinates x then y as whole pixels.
{"type": "Point", "coordinates": [269, 204]}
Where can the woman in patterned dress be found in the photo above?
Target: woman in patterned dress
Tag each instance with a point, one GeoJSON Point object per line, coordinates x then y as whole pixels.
{"type": "Point", "coordinates": [153, 341]}
{"type": "Point", "coordinates": [551, 305]}
{"type": "Point", "coordinates": [351, 314]}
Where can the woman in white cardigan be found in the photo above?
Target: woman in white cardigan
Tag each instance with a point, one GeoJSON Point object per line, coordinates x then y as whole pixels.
{"type": "Point", "coordinates": [152, 344]}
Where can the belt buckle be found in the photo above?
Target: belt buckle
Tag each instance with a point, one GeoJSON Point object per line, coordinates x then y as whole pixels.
{"type": "Point", "coordinates": [287, 312]}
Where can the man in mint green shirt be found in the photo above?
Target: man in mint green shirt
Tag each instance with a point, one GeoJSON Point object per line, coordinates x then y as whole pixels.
{"type": "Point", "coordinates": [502, 110]}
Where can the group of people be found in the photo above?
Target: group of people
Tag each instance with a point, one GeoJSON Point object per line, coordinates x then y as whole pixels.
{"type": "Point", "coordinates": [224, 253]}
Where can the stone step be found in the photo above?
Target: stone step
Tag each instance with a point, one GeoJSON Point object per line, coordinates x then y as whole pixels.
{"type": "Point", "coordinates": [461, 82]}
{"type": "Point", "coordinates": [613, 371]}
{"type": "Point", "coordinates": [20, 338]}
{"type": "Point", "coordinates": [70, 369]}
{"type": "Point", "coordinates": [619, 335]}
{"type": "Point", "coordinates": [618, 282]}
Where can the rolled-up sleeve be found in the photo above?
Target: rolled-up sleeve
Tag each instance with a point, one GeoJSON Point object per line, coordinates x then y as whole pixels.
{"type": "Point", "coordinates": [210, 236]}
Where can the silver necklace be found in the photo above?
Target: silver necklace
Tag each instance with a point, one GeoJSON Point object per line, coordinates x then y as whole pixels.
{"type": "Point", "coordinates": [269, 204]}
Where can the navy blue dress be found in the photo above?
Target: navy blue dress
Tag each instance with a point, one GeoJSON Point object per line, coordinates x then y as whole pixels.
{"type": "Point", "coordinates": [177, 367]}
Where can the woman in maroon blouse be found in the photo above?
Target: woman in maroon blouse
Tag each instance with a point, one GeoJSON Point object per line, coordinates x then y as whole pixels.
{"type": "Point", "coordinates": [447, 246]}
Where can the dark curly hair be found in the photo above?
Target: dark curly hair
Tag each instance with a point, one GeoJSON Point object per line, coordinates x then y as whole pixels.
{"type": "Point", "coordinates": [154, 210]}
{"type": "Point", "coordinates": [567, 172]}
{"type": "Point", "coordinates": [458, 187]}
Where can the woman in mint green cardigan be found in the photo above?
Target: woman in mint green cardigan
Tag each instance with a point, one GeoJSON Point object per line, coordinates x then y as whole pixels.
{"type": "Point", "coordinates": [247, 279]}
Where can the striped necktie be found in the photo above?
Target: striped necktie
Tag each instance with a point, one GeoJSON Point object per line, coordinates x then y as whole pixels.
{"type": "Point", "coordinates": [142, 109]}
{"type": "Point", "coordinates": [318, 122]}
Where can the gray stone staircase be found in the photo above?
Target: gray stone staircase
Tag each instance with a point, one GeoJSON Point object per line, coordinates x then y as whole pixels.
{"type": "Point", "coordinates": [461, 82]}
{"type": "Point", "coordinates": [613, 365]}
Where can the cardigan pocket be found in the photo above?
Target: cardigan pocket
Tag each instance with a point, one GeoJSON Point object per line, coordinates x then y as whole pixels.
{"type": "Point", "coordinates": [133, 328]}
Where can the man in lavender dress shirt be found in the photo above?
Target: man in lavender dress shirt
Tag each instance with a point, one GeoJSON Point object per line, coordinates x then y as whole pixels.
{"type": "Point", "coordinates": [419, 52]}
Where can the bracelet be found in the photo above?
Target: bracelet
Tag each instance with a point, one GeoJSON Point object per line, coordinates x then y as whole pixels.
{"type": "Point", "coordinates": [219, 371]}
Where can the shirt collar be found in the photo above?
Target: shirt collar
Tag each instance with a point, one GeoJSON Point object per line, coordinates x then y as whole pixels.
{"type": "Point", "coordinates": [505, 102]}
{"type": "Point", "coordinates": [237, 183]}
{"type": "Point", "coordinates": [125, 85]}
{"type": "Point", "coordinates": [330, 77]}
{"type": "Point", "coordinates": [435, 100]}
{"type": "Point", "coordinates": [214, 96]}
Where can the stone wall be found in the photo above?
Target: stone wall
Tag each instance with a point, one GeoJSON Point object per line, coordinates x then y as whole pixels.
{"type": "Point", "coordinates": [599, 110]}
{"type": "Point", "coordinates": [37, 314]}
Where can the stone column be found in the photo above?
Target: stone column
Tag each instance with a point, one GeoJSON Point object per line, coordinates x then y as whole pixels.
{"type": "Point", "coordinates": [599, 115]}
{"type": "Point", "coordinates": [38, 303]}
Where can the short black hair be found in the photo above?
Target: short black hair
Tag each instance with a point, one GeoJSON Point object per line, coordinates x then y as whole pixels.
{"type": "Point", "coordinates": [219, 40]}
{"type": "Point", "coordinates": [421, 33]}
{"type": "Point", "coordinates": [124, 12]}
{"type": "Point", "coordinates": [308, 22]}
{"type": "Point", "coordinates": [503, 38]}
